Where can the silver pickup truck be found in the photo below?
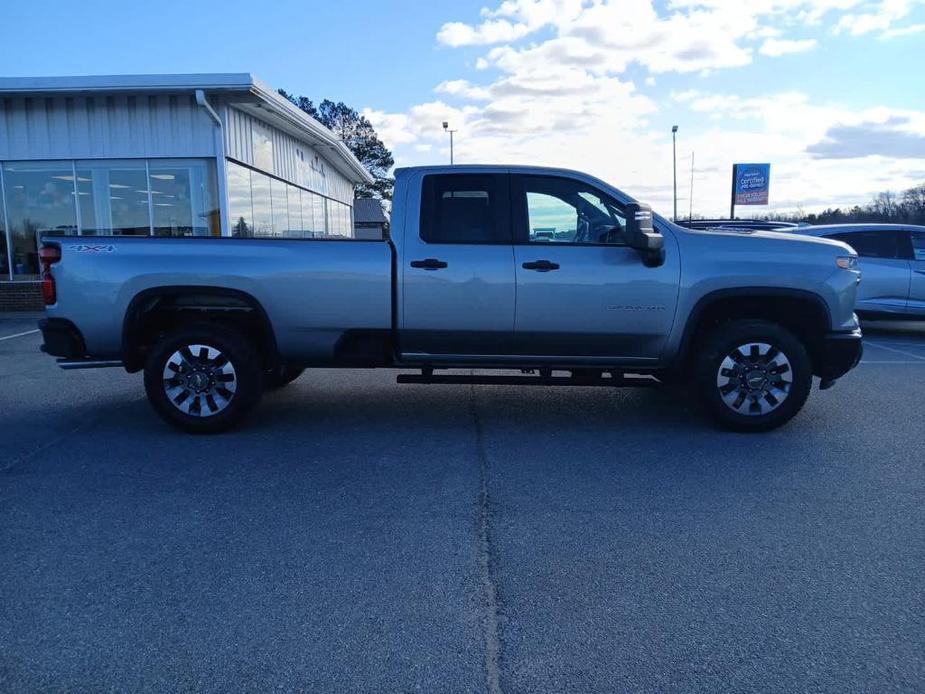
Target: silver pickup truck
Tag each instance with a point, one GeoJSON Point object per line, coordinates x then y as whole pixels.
{"type": "Point", "coordinates": [551, 274]}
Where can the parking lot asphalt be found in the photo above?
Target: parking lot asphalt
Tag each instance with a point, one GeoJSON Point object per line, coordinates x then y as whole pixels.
{"type": "Point", "coordinates": [359, 535]}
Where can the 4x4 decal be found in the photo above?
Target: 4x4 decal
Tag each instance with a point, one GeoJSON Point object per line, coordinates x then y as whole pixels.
{"type": "Point", "coordinates": [92, 248]}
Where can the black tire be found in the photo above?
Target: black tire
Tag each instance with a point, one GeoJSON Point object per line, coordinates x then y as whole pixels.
{"type": "Point", "coordinates": [723, 342]}
{"type": "Point", "coordinates": [235, 366]}
{"type": "Point", "coordinates": [282, 376]}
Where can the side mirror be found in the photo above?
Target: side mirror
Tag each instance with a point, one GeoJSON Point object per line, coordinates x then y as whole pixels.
{"type": "Point", "coordinates": [641, 235]}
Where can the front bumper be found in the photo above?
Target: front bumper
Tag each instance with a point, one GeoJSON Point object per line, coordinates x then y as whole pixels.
{"type": "Point", "coordinates": [62, 338]}
{"type": "Point", "coordinates": [840, 352]}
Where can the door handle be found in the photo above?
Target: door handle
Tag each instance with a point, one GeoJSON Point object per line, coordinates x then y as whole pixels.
{"type": "Point", "coordinates": [541, 266]}
{"type": "Point", "coordinates": [428, 264]}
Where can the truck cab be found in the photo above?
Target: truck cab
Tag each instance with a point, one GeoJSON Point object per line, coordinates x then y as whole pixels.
{"type": "Point", "coordinates": [477, 281]}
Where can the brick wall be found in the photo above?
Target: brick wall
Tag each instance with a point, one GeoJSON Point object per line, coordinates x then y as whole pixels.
{"type": "Point", "coordinates": [21, 296]}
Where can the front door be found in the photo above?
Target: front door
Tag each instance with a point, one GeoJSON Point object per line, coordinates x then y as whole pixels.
{"type": "Point", "coordinates": [582, 294]}
{"type": "Point", "coordinates": [457, 270]}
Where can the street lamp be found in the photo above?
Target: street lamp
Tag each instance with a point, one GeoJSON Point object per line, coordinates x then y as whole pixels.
{"type": "Point", "coordinates": [446, 129]}
{"type": "Point", "coordinates": [674, 159]}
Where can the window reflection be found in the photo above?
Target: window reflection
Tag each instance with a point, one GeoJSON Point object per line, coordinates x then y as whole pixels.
{"type": "Point", "coordinates": [240, 212]}
{"type": "Point", "coordinates": [295, 212]}
{"type": "Point", "coordinates": [263, 215]}
{"type": "Point", "coordinates": [113, 198]}
{"type": "Point", "coordinates": [280, 208]}
{"type": "Point", "coordinates": [40, 200]}
{"type": "Point", "coordinates": [183, 198]}
{"type": "Point", "coordinates": [308, 223]}
{"type": "Point", "coordinates": [319, 217]}
{"type": "Point", "coordinates": [4, 257]}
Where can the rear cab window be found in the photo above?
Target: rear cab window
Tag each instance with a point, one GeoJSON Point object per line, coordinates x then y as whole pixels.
{"type": "Point", "coordinates": [465, 208]}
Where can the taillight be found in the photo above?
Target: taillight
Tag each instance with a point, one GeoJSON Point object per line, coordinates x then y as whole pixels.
{"type": "Point", "coordinates": [49, 254]}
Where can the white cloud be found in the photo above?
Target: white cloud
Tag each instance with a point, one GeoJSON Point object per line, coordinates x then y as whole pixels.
{"type": "Point", "coordinates": [512, 20]}
{"type": "Point", "coordinates": [463, 89]}
{"type": "Point", "coordinates": [878, 16]}
{"type": "Point", "coordinates": [903, 31]}
{"type": "Point", "coordinates": [778, 47]}
{"type": "Point", "coordinates": [455, 34]}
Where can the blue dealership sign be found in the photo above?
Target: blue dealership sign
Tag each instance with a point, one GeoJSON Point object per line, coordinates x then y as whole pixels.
{"type": "Point", "coordinates": [751, 183]}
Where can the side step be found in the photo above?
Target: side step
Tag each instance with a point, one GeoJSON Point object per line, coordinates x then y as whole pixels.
{"type": "Point", "coordinates": [616, 380]}
{"type": "Point", "coordinates": [70, 364]}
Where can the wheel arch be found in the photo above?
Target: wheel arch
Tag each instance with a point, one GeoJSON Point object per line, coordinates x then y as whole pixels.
{"type": "Point", "coordinates": [803, 312]}
{"type": "Point", "coordinates": [155, 310]}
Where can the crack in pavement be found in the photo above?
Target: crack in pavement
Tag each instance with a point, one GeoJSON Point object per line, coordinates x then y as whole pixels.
{"type": "Point", "coordinates": [486, 564]}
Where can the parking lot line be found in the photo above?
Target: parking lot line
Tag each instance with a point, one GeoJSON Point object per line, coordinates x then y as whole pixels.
{"type": "Point", "coordinates": [10, 337]}
{"type": "Point", "coordinates": [893, 349]}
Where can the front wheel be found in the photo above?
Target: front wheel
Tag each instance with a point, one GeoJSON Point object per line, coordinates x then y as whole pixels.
{"type": "Point", "coordinates": [752, 375]}
{"type": "Point", "coordinates": [203, 378]}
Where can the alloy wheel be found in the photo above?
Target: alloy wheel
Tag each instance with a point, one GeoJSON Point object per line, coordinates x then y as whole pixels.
{"type": "Point", "coordinates": [199, 380]}
{"type": "Point", "coordinates": [754, 379]}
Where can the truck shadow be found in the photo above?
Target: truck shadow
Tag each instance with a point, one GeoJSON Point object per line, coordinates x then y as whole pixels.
{"type": "Point", "coordinates": [424, 408]}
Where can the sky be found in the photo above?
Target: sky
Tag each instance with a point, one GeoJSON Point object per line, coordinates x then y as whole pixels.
{"type": "Point", "coordinates": [831, 93]}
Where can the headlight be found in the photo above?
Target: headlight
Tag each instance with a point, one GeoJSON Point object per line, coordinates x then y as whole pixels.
{"type": "Point", "coordinates": [847, 262]}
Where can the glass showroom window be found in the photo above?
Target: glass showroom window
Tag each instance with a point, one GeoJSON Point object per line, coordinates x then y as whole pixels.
{"type": "Point", "coordinates": [183, 198]}
{"type": "Point", "coordinates": [280, 208]}
{"type": "Point", "coordinates": [240, 208]}
{"type": "Point", "coordinates": [308, 224]}
{"type": "Point", "coordinates": [320, 217]}
{"type": "Point", "coordinates": [339, 217]}
{"type": "Point", "coordinates": [266, 207]}
{"type": "Point", "coordinates": [40, 200]}
{"type": "Point", "coordinates": [296, 228]}
{"type": "Point", "coordinates": [171, 197]}
{"type": "Point", "coordinates": [4, 247]}
{"type": "Point", "coordinates": [113, 197]}
{"type": "Point", "coordinates": [335, 212]}
{"type": "Point", "coordinates": [263, 210]}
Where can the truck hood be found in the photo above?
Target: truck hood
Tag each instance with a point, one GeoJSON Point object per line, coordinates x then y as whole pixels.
{"type": "Point", "coordinates": [802, 240]}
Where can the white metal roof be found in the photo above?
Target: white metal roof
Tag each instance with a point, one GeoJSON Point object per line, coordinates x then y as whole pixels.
{"type": "Point", "coordinates": [251, 90]}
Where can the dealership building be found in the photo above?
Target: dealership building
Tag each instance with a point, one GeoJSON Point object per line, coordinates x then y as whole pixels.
{"type": "Point", "coordinates": [161, 155]}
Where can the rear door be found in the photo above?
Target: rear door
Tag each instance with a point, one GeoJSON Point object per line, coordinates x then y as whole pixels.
{"type": "Point", "coordinates": [582, 294]}
{"type": "Point", "coordinates": [885, 270]}
{"type": "Point", "coordinates": [916, 303]}
{"type": "Point", "coordinates": [457, 269]}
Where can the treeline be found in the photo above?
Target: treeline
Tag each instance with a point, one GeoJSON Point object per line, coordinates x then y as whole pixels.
{"type": "Point", "coordinates": [907, 207]}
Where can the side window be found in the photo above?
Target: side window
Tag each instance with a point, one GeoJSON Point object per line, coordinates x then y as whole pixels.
{"type": "Point", "coordinates": [918, 245]}
{"type": "Point", "coordinates": [872, 244]}
{"type": "Point", "coordinates": [465, 208]}
{"type": "Point", "coordinates": [562, 210]}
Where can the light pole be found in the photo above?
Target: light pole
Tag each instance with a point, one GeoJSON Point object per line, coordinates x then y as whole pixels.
{"type": "Point", "coordinates": [674, 160]}
{"type": "Point", "coordinates": [446, 129]}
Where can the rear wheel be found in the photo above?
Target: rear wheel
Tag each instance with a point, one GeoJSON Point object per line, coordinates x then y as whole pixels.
{"type": "Point", "coordinates": [752, 375]}
{"type": "Point", "coordinates": [203, 378]}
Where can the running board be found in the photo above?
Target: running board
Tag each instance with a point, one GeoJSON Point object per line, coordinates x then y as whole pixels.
{"type": "Point", "coordinates": [618, 381]}
{"type": "Point", "coordinates": [70, 364]}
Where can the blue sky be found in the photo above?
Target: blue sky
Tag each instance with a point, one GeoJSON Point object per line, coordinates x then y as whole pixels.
{"type": "Point", "coordinates": [830, 92]}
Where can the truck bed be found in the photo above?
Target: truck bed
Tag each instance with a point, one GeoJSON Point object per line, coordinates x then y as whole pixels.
{"type": "Point", "coordinates": [312, 290]}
